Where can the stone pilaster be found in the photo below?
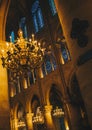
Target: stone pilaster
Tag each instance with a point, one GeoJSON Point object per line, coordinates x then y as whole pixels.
{"type": "Point", "coordinates": [48, 118]}
{"type": "Point", "coordinates": [29, 121]}
{"type": "Point", "coordinates": [4, 100]}
{"type": "Point", "coordinates": [15, 124]}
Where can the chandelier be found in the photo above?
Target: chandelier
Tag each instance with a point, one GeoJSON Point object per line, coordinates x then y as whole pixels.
{"type": "Point", "coordinates": [39, 117]}
{"type": "Point", "coordinates": [58, 112]}
{"type": "Point", "coordinates": [23, 54]}
{"type": "Point", "coordinates": [21, 124]}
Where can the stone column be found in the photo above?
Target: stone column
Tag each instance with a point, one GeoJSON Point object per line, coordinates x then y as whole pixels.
{"type": "Point", "coordinates": [11, 123]}
{"type": "Point", "coordinates": [33, 76]}
{"type": "Point", "coordinates": [15, 123]}
{"type": "Point", "coordinates": [4, 96]}
{"type": "Point", "coordinates": [28, 81]}
{"type": "Point", "coordinates": [4, 100]}
{"type": "Point", "coordinates": [29, 121]}
{"type": "Point", "coordinates": [72, 13]}
{"type": "Point", "coordinates": [25, 83]}
{"type": "Point", "coordinates": [40, 72]}
{"type": "Point", "coordinates": [48, 118]}
{"type": "Point", "coordinates": [18, 84]}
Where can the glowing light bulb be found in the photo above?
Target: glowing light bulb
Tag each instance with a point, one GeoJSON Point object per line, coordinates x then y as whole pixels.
{"type": "Point", "coordinates": [30, 40]}
{"type": "Point", "coordinates": [39, 44]}
{"type": "Point", "coordinates": [33, 37]}
{"type": "Point", "coordinates": [7, 44]}
{"type": "Point", "coordinates": [10, 39]}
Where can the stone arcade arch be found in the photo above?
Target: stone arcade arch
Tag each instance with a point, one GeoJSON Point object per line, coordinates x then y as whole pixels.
{"type": "Point", "coordinates": [19, 118]}
{"type": "Point", "coordinates": [35, 105]}
{"type": "Point", "coordinates": [56, 100]}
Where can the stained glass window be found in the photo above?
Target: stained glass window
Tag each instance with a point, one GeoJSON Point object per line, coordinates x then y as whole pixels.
{"type": "Point", "coordinates": [53, 62]}
{"type": "Point", "coordinates": [22, 25]}
{"type": "Point", "coordinates": [52, 6]}
{"type": "Point", "coordinates": [64, 51]}
{"type": "Point", "coordinates": [40, 18]}
{"type": "Point", "coordinates": [12, 36]}
{"type": "Point", "coordinates": [35, 23]}
{"type": "Point", "coordinates": [44, 69]}
{"type": "Point", "coordinates": [48, 66]}
{"type": "Point", "coordinates": [37, 16]}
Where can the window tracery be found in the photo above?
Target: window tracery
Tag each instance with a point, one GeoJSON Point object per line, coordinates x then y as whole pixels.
{"type": "Point", "coordinates": [52, 7]}
{"type": "Point", "coordinates": [37, 16]}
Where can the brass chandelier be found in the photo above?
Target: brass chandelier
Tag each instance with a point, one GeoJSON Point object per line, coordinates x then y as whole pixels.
{"type": "Point", "coordinates": [39, 117]}
{"type": "Point", "coordinates": [23, 54]}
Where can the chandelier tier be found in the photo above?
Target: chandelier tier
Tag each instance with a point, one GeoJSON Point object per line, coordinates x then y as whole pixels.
{"type": "Point", "coordinates": [23, 54]}
{"type": "Point", "coordinates": [58, 112]}
{"type": "Point", "coordinates": [39, 117]}
{"type": "Point", "coordinates": [21, 124]}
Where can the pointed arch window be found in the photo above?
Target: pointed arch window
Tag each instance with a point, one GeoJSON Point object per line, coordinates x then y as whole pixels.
{"type": "Point", "coordinates": [49, 64]}
{"type": "Point", "coordinates": [37, 16]}
{"type": "Point", "coordinates": [52, 7]}
{"type": "Point", "coordinates": [12, 35]}
{"type": "Point", "coordinates": [65, 55]}
{"type": "Point", "coordinates": [35, 23]}
{"type": "Point", "coordinates": [22, 25]}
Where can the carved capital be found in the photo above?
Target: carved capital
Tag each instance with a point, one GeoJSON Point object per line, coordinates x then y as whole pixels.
{"type": "Point", "coordinates": [48, 108]}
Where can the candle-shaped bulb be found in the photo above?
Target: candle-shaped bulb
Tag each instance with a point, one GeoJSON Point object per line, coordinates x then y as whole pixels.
{"type": "Point", "coordinates": [30, 40]}
{"type": "Point", "coordinates": [10, 39]}
{"type": "Point", "coordinates": [2, 52]}
{"type": "Point", "coordinates": [33, 37]}
{"type": "Point", "coordinates": [39, 44]}
{"type": "Point", "coordinates": [7, 44]}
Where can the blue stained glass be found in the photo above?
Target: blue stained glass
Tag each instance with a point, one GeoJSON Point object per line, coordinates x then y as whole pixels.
{"type": "Point", "coordinates": [40, 18]}
{"type": "Point", "coordinates": [48, 66]}
{"type": "Point", "coordinates": [35, 6]}
{"type": "Point", "coordinates": [37, 16]}
{"type": "Point", "coordinates": [53, 61]}
{"type": "Point", "coordinates": [25, 31]}
{"type": "Point", "coordinates": [35, 23]}
{"type": "Point", "coordinates": [12, 36]}
{"type": "Point", "coordinates": [22, 22]}
{"type": "Point", "coordinates": [65, 56]}
{"type": "Point", "coordinates": [22, 25]}
{"type": "Point", "coordinates": [53, 8]}
{"type": "Point", "coordinates": [64, 51]}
